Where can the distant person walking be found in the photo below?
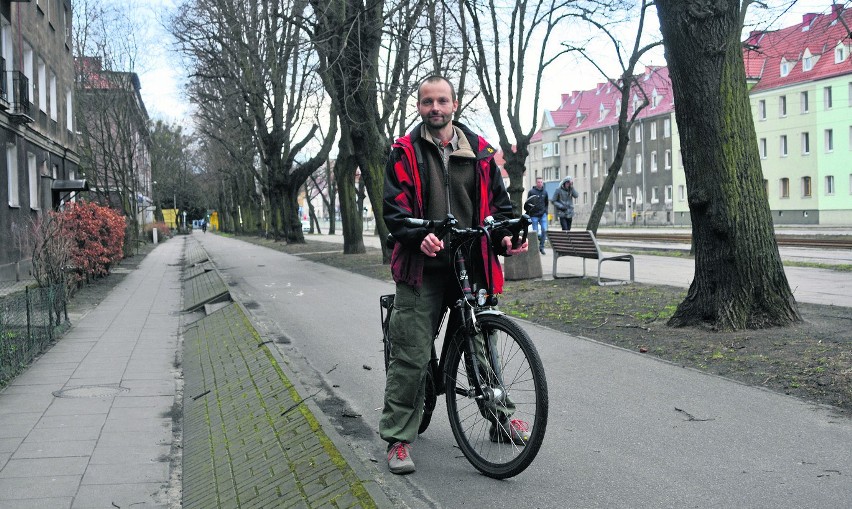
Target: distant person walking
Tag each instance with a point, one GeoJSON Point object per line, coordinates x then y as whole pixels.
{"type": "Point", "coordinates": [538, 213]}
{"type": "Point", "coordinates": [563, 200]}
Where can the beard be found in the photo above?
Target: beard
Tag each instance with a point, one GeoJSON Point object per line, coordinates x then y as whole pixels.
{"type": "Point", "coordinates": [436, 122]}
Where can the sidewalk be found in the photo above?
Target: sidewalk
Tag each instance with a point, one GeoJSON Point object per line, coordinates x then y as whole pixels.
{"type": "Point", "coordinates": [100, 421]}
{"type": "Point", "coordinates": [89, 424]}
{"type": "Point", "coordinates": [811, 285]}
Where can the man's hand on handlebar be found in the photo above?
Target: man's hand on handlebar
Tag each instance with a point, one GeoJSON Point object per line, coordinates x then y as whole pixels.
{"type": "Point", "coordinates": [431, 245]}
{"type": "Point", "coordinates": [507, 243]}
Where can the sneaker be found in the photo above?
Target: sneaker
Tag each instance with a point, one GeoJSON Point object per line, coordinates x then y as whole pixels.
{"type": "Point", "coordinates": [542, 251]}
{"type": "Point", "coordinates": [515, 431]}
{"type": "Point", "coordinates": [399, 458]}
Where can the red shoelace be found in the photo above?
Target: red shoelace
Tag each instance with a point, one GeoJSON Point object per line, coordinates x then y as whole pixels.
{"type": "Point", "coordinates": [401, 450]}
{"type": "Point", "coordinates": [519, 425]}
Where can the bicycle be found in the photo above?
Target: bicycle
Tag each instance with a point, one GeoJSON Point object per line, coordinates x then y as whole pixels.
{"type": "Point", "coordinates": [488, 366]}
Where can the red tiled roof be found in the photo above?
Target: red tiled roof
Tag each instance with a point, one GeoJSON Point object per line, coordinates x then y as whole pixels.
{"type": "Point", "coordinates": [588, 103]}
{"type": "Point", "coordinates": [817, 33]}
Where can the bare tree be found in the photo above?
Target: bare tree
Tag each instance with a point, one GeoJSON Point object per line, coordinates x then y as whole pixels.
{"type": "Point", "coordinates": [256, 51]}
{"type": "Point", "coordinates": [627, 85]}
{"type": "Point", "coordinates": [112, 118]}
{"type": "Point", "coordinates": [348, 36]}
{"type": "Point", "coordinates": [739, 279]}
{"type": "Point", "coordinates": [510, 43]}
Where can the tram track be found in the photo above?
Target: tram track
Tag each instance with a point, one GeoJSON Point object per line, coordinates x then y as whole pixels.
{"type": "Point", "coordinates": [786, 240]}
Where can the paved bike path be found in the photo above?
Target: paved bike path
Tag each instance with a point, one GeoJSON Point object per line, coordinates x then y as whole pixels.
{"type": "Point", "coordinates": [626, 430]}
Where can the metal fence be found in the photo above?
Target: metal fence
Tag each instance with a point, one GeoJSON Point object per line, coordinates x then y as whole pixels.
{"type": "Point", "coordinates": [31, 318]}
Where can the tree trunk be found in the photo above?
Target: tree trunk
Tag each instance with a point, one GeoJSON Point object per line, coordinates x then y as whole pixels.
{"type": "Point", "coordinates": [739, 279]}
{"type": "Point", "coordinates": [515, 167]}
{"type": "Point", "coordinates": [352, 224]}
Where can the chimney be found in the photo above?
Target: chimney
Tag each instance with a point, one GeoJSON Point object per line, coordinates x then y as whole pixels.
{"type": "Point", "coordinates": [836, 11]}
{"type": "Point", "coordinates": [808, 18]}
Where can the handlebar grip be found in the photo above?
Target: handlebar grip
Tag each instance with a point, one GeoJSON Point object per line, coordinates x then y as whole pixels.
{"type": "Point", "coordinates": [413, 222]}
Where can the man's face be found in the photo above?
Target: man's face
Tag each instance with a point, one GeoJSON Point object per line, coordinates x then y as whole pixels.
{"type": "Point", "coordinates": [539, 183]}
{"type": "Point", "coordinates": [435, 104]}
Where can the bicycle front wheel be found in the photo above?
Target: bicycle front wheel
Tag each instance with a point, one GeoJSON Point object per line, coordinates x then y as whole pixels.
{"type": "Point", "coordinates": [501, 426]}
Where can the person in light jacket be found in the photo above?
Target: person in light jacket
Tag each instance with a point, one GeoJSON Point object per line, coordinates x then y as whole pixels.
{"type": "Point", "coordinates": [563, 200]}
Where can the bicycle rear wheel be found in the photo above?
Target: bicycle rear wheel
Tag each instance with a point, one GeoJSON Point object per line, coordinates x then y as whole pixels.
{"type": "Point", "coordinates": [515, 388]}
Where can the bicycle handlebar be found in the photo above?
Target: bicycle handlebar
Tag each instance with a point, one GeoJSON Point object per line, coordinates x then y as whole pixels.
{"type": "Point", "coordinates": [517, 227]}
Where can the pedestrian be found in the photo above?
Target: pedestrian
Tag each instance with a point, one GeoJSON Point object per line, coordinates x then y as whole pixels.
{"type": "Point", "coordinates": [440, 167]}
{"type": "Point", "coordinates": [563, 201]}
{"type": "Point", "coordinates": [537, 197]}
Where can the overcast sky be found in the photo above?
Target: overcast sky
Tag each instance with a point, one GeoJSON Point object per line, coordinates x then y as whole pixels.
{"type": "Point", "coordinates": [162, 76]}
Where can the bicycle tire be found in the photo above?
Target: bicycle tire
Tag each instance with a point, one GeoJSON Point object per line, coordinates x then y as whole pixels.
{"type": "Point", "coordinates": [524, 382]}
{"type": "Point", "coordinates": [430, 398]}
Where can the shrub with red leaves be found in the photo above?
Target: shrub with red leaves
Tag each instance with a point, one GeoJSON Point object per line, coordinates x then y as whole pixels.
{"type": "Point", "coordinates": [97, 235]}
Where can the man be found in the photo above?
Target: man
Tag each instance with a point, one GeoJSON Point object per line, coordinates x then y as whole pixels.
{"type": "Point", "coordinates": [563, 200]}
{"type": "Point", "coordinates": [538, 213]}
{"type": "Point", "coordinates": [440, 167]}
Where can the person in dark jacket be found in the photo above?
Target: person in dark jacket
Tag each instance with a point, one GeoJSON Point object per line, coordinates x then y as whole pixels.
{"type": "Point", "coordinates": [456, 174]}
{"type": "Point", "coordinates": [538, 213]}
{"type": "Point", "coordinates": [563, 200]}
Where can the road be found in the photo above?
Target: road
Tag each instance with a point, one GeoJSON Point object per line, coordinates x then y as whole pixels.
{"type": "Point", "coordinates": [625, 430]}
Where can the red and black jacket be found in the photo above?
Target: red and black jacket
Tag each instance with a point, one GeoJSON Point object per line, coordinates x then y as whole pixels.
{"type": "Point", "coordinates": [404, 198]}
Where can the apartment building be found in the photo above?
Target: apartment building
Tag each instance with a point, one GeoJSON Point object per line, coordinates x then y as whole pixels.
{"type": "Point", "coordinates": [115, 141]}
{"type": "Point", "coordinates": [580, 138]}
{"type": "Point", "coordinates": [801, 98]}
{"type": "Point", "coordinates": [37, 128]}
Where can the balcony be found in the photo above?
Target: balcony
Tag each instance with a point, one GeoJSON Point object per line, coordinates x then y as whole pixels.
{"type": "Point", "coordinates": [20, 99]}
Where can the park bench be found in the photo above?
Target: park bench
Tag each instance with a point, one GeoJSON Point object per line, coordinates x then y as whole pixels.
{"type": "Point", "coordinates": [583, 244]}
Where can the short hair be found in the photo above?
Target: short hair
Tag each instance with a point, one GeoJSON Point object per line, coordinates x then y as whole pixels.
{"type": "Point", "coordinates": [435, 78]}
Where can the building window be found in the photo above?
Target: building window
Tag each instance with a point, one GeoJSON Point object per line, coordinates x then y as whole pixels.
{"type": "Point", "coordinates": [594, 169]}
{"type": "Point", "coordinates": [54, 107]}
{"type": "Point", "coordinates": [637, 133]}
{"type": "Point", "coordinates": [826, 96]}
{"type": "Point", "coordinates": [585, 197]}
{"type": "Point", "coordinates": [803, 97]}
{"type": "Point", "coordinates": [575, 170]}
{"type": "Point", "coordinates": [566, 146]}
{"type": "Point", "coordinates": [32, 172]}
{"type": "Point", "coordinates": [783, 147]}
{"type": "Point", "coordinates": [785, 67]}
{"type": "Point", "coordinates": [654, 130]}
{"type": "Point", "coordinates": [575, 147]}
{"type": "Point", "coordinates": [654, 197]}
{"type": "Point", "coordinates": [604, 139]}
{"type": "Point", "coordinates": [806, 187]}
{"type": "Point", "coordinates": [12, 174]}
{"type": "Point", "coordinates": [762, 144]}
{"type": "Point", "coordinates": [69, 109]}
{"type": "Point", "coordinates": [653, 161]}
{"type": "Point", "coordinates": [806, 143]}
{"type": "Point", "coordinates": [620, 195]}
{"type": "Point", "coordinates": [761, 109]}
{"type": "Point", "coordinates": [785, 188]}
{"type": "Point", "coordinates": [584, 169]}
{"type": "Point", "coordinates": [556, 148]}
{"type": "Point", "coordinates": [667, 127]}
{"type": "Point", "coordinates": [807, 61]}
{"type": "Point", "coordinates": [583, 143]}
{"type": "Point", "coordinates": [681, 192]}
{"type": "Point", "coordinates": [640, 196]}
{"type": "Point", "coordinates": [28, 68]}
{"type": "Point", "coordinates": [595, 140]}
{"type": "Point", "coordinates": [667, 159]}
{"type": "Point", "coordinates": [638, 163]}
{"type": "Point", "coordinates": [829, 185]}
{"type": "Point", "coordinates": [829, 140]}
{"type": "Point", "coordinates": [42, 86]}
{"type": "Point", "coordinates": [839, 53]}
{"type": "Point", "coordinates": [782, 106]}
{"type": "Point", "coordinates": [668, 194]}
